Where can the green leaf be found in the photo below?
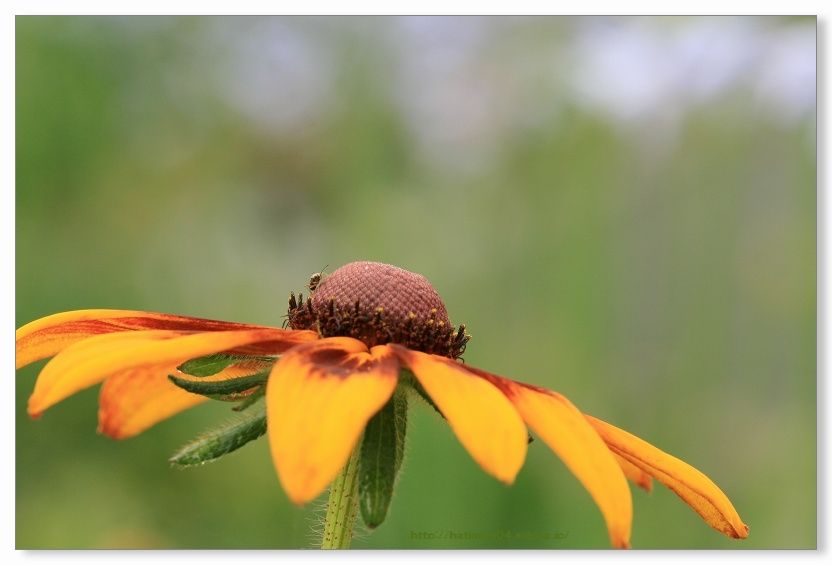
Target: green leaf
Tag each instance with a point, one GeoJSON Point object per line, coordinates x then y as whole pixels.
{"type": "Point", "coordinates": [221, 389]}
{"type": "Point", "coordinates": [250, 399]}
{"type": "Point", "coordinates": [220, 441]}
{"type": "Point", "coordinates": [382, 451]}
{"type": "Point", "coordinates": [208, 365]}
{"type": "Point", "coordinates": [216, 362]}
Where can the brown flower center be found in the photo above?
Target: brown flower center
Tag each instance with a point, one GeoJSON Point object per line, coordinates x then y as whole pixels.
{"type": "Point", "coordinates": [378, 303]}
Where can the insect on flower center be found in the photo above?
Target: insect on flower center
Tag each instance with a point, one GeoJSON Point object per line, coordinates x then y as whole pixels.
{"type": "Point", "coordinates": [378, 303]}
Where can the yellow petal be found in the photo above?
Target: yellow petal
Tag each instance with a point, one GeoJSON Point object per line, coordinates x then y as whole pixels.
{"type": "Point", "coordinates": [482, 418]}
{"type": "Point", "coordinates": [319, 398]}
{"type": "Point", "coordinates": [639, 477]}
{"type": "Point", "coordinates": [90, 361]}
{"type": "Point", "coordinates": [47, 336]}
{"type": "Point", "coordinates": [691, 485]}
{"type": "Point", "coordinates": [133, 400]}
{"type": "Point", "coordinates": [563, 428]}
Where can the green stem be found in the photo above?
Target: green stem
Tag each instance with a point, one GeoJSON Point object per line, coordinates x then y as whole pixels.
{"type": "Point", "coordinates": [342, 504]}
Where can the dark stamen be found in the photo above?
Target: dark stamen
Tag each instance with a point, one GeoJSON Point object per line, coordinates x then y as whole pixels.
{"type": "Point", "coordinates": [378, 303]}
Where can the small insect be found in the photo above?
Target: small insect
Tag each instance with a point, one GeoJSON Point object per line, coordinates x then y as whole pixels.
{"type": "Point", "coordinates": [315, 279]}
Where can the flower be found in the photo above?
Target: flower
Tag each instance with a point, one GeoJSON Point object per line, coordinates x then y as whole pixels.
{"type": "Point", "coordinates": [339, 364]}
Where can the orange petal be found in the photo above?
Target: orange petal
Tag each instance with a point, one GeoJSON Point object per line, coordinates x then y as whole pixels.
{"type": "Point", "coordinates": [563, 428]}
{"type": "Point", "coordinates": [639, 477]}
{"type": "Point", "coordinates": [47, 336]}
{"type": "Point", "coordinates": [479, 414]}
{"type": "Point", "coordinates": [133, 400]}
{"type": "Point", "coordinates": [691, 485]}
{"type": "Point", "coordinates": [319, 398]}
{"type": "Point", "coordinates": [90, 361]}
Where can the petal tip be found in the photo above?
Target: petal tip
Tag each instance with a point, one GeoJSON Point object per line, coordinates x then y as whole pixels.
{"type": "Point", "coordinates": [111, 432]}
{"type": "Point", "coordinates": [34, 408]}
{"type": "Point", "coordinates": [741, 532]}
{"type": "Point", "coordinates": [507, 474]}
{"type": "Point", "coordinates": [298, 497]}
{"type": "Point", "coordinates": [620, 535]}
{"type": "Point", "coordinates": [300, 485]}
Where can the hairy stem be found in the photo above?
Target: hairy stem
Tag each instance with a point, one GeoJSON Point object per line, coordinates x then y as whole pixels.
{"type": "Point", "coordinates": [342, 504]}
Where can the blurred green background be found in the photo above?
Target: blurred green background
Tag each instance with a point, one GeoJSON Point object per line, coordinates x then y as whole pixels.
{"type": "Point", "coordinates": [620, 209]}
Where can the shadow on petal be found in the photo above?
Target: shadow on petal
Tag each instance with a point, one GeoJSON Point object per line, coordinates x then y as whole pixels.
{"type": "Point", "coordinates": [134, 400]}
{"type": "Point", "coordinates": [319, 398]}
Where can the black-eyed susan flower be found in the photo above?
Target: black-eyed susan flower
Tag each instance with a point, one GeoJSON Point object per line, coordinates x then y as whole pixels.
{"type": "Point", "coordinates": [335, 376]}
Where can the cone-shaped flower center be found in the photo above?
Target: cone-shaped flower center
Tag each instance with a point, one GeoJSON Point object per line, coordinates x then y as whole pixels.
{"type": "Point", "coordinates": [379, 303]}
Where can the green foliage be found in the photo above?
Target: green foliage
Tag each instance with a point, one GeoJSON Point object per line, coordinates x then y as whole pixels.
{"type": "Point", "coordinates": [662, 278]}
{"type": "Point", "coordinates": [382, 451]}
{"type": "Point", "coordinates": [208, 365]}
{"type": "Point", "coordinates": [222, 440]}
{"type": "Point", "coordinates": [251, 399]}
{"type": "Point", "coordinates": [213, 364]}
{"type": "Point", "coordinates": [221, 390]}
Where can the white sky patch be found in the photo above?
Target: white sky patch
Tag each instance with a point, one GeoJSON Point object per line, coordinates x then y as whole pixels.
{"type": "Point", "coordinates": [276, 74]}
{"type": "Point", "coordinates": [464, 86]}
